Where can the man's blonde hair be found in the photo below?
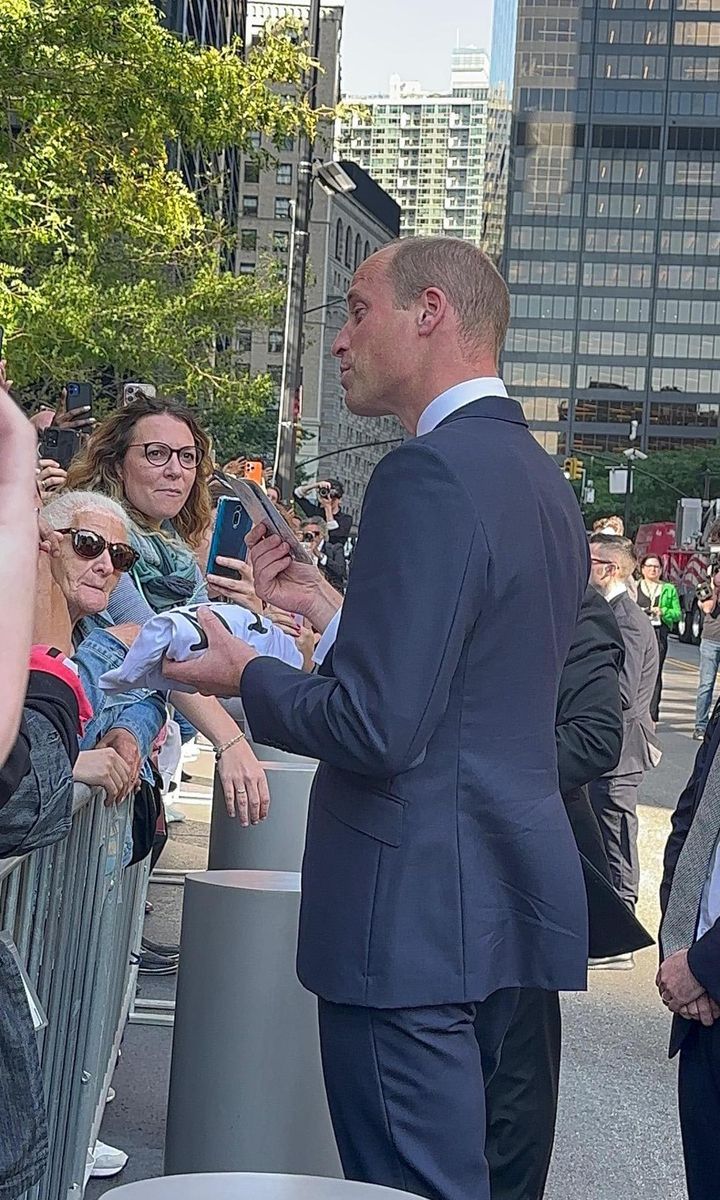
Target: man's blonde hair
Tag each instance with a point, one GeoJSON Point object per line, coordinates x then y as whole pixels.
{"type": "Point", "coordinates": [475, 289]}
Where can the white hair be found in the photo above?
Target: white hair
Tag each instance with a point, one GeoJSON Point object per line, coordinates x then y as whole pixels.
{"type": "Point", "coordinates": [60, 512]}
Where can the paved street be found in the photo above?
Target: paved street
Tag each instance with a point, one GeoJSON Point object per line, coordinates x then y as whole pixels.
{"type": "Point", "coordinates": [617, 1137]}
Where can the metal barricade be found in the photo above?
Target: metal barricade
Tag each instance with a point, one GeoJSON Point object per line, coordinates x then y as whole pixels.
{"type": "Point", "coordinates": [76, 918]}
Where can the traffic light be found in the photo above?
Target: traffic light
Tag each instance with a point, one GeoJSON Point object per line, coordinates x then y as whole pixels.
{"type": "Point", "coordinates": [573, 468]}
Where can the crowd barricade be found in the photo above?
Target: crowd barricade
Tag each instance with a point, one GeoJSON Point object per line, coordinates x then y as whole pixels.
{"type": "Point", "coordinates": [76, 919]}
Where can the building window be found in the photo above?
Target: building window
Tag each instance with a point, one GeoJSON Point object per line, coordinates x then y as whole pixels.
{"type": "Point", "coordinates": [282, 209]}
{"type": "Point", "coordinates": [275, 341]}
{"type": "Point", "coordinates": [248, 239]}
{"type": "Point", "coordinates": [366, 251]}
{"type": "Point", "coordinates": [287, 143]}
{"type": "Point", "coordinates": [283, 174]}
{"type": "Point", "coordinates": [252, 171]}
{"type": "Point", "coordinates": [255, 141]}
{"type": "Point", "coordinates": [275, 374]}
{"type": "Point", "coordinates": [280, 241]}
{"type": "Point", "coordinates": [348, 248]}
{"type": "Point", "coordinates": [250, 206]}
{"type": "Point", "coordinates": [358, 251]}
{"type": "Point", "coordinates": [246, 268]}
{"type": "Point", "coordinates": [244, 341]}
{"type": "Point", "coordinates": [339, 241]}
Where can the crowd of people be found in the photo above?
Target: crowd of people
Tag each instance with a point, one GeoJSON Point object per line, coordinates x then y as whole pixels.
{"type": "Point", "coordinates": [472, 840]}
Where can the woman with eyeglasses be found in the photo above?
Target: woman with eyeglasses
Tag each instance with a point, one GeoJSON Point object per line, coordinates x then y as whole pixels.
{"type": "Point", "coordinates": [154, 458]}
{"type": "Point", "coordinates": [661, 602]}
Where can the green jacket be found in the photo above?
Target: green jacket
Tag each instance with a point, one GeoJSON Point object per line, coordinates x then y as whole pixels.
{"type": "Point", "coordinates": [669, 605]}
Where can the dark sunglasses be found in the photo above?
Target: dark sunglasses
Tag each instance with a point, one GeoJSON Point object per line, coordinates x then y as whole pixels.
{"type": "Point", "coordinates": [310, 537]}
{"type": "Point", "coordinates": [88, 544]}
{"type": "Point", "coordinates": [158, 454]}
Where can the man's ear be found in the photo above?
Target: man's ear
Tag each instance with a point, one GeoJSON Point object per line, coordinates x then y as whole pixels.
{"type": "Point", "coordinates": [432, 309]}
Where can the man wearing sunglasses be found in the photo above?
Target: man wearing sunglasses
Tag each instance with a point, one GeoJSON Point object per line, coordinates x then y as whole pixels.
{"type": "Point", "coordinates": [614, 797]}
{"type": "Point", "coordinates": [330, 558]}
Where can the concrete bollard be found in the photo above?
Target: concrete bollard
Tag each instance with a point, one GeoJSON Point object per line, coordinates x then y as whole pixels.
{"type": "Point", "coordinates": [246, 1087]}
{"type": "Point", "coordinates": [277, 843]}
{"type": "Point", "coordinates": [255, 1187]}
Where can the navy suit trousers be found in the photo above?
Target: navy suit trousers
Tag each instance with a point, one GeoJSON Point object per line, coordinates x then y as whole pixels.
{"type": "Point", "coordinates": [406, 1089]}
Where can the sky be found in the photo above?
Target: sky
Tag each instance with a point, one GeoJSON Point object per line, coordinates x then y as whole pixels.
{"type": "Point", "coordinates": [409, 38]}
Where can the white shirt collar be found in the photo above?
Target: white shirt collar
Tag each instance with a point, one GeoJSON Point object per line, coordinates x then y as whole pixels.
{"type": "Point", "coordinates": [457, 397]}
{"type": "Point", "coordinates": [617, 589]}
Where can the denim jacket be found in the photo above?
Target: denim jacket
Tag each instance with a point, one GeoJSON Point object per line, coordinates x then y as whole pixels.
{"type": "Point", "coordinates": [141, 712]}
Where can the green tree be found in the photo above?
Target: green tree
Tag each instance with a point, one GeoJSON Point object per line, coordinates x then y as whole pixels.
{"type": "Point", "coordinates": [111, 268]}
{"type": "Point", "coordinates": [659, 482]}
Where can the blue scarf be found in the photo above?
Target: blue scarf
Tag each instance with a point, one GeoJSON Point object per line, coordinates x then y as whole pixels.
{"type": "Point", "coordinates": [167, 573]}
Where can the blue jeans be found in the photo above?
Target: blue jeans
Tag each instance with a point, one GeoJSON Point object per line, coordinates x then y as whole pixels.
{"type": "Point", "coordinates": [709, 666]}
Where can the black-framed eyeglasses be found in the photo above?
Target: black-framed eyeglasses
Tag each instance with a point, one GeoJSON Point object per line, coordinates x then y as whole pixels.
{"type": "Point", "coordinates": [88, 544]}
{"type": "Point", "coordinates": [158, 454]}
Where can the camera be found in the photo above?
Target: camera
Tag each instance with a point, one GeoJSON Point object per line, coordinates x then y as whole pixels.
{"type": "Point", "coordinates": [324, 493]}
{"type": "Point", "coordinates": [704, 591]}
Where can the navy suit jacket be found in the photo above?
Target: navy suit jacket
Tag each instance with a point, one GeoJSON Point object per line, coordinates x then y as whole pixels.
{"type": "Point", "coordinates": [439, 862]}
{"type": "Point", "coordinates": [704, 954]}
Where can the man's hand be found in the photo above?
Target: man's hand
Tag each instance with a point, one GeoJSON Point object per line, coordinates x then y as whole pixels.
{"type": "Point", "coordinates": [676, 983]}
{"type": "Point", "coordinates": [124, 743]}
{"type": "Point", "coordinates": [292, 586]}
{"type": "Point", "coordinates": [219, 671]}
{"type": "Point", "coordinates": [704, 1009]}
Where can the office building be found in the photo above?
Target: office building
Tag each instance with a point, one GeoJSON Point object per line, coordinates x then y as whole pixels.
{"type": "Point", "coordinates": [356, 224]}
{"type": "Point", "coordinates": [427, 150]}
{"type": "Point", "coordinates": [613, 236]}
{"type": "Point", "coordinates": [265, 214]}
{"type": "Point", "coordinates": [497, 166]}
{"type": "Point", "coordinates": [502, 46]}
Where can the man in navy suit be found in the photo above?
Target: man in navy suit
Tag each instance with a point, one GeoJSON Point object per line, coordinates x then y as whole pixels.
{"type": "Point", "coordinates": [440, 870]}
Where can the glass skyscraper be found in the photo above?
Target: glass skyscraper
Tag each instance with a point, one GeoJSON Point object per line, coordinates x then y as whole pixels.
{"type": "Point", "coordinates": [613, 232]}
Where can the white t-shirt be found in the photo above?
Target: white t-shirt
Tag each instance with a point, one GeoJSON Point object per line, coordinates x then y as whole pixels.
{"type": "Point", "coordinates": [179, 634]}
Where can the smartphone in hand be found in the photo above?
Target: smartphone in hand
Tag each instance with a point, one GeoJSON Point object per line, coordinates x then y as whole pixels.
{"type": "Point", "coordinates": [61, 445]}
{"type": "Point", "coordinates": [232, 523]}
{"type": "Point", "coordinates": [77, 396]}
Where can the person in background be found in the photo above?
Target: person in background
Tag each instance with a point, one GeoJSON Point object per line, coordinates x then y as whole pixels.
{"type": "Point", "coordinates": [522, 1095]}
{"type": "Point", "coordinates": [709, 653]}
{"type": "Point", "coordinates": [614, 796]}
{"type": "Point", "coordinates": [612, 525]}
{"type": "Point", "coordinates": [329, 493]}
{"type": "Point", "coordinates": [661, 602]}
{"type": "Point", "coordinates": [153, 457]}
{"type": "Point", "coordinates": [330, 557]}
{"type": "Point", "coordinates": [689, 977]}
{"type": "Point", "coordinates": [273, 494]}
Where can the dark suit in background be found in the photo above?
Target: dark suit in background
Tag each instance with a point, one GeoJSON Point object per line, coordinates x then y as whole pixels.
{"type": "Point", "coordinates": [614, 797]}
{"type": "Point", "coordinates": [440, 866]}
{"type": "Point", "coordinates": [699, 1047]}
{"type": "Point", "coordinates": [522, 1095]}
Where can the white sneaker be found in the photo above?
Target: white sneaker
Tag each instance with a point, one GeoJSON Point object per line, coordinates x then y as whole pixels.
{"type": "Point", "coordinates": [107, 1161]}
{"type": "Point", "coordinates": [173, 815]}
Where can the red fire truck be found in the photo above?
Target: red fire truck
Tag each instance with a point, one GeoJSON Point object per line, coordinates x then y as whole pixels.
{"type": "Point", "coordinates": [690, 551]}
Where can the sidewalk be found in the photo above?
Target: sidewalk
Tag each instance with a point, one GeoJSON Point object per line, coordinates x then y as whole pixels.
{"type": "Point", "coordinates": [618, 1137]}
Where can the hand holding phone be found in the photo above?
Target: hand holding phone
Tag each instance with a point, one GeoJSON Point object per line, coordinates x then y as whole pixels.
{"type": "Point", "coordinates": [232, 523]}
{"type": "Point", "coordinates": [263, 512]}
{"type": "Point", "coordinates": [60, 445]}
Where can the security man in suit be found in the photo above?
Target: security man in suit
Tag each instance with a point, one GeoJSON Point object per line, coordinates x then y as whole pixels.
{"type": "Point", "coordinates": [440, 870]}
{"type": "Point", "coordinates": [522, 1095]}
{"type": "Point", "coordinates": [689, 977]}
{"type": "Point", "coordinates": [615, 796]}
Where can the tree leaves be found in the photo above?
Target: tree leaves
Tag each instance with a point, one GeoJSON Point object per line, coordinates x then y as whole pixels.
{"type": "Point", "coordinates": [112, 268]}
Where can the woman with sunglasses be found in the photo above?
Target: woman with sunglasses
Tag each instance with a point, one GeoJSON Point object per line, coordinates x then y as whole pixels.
{"type": "Point", "coordinates": [661, 602]}
{"type": "Point", "coordinates": [153, 457]}
{"type": "Point", "coordinates": [92, 554]}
